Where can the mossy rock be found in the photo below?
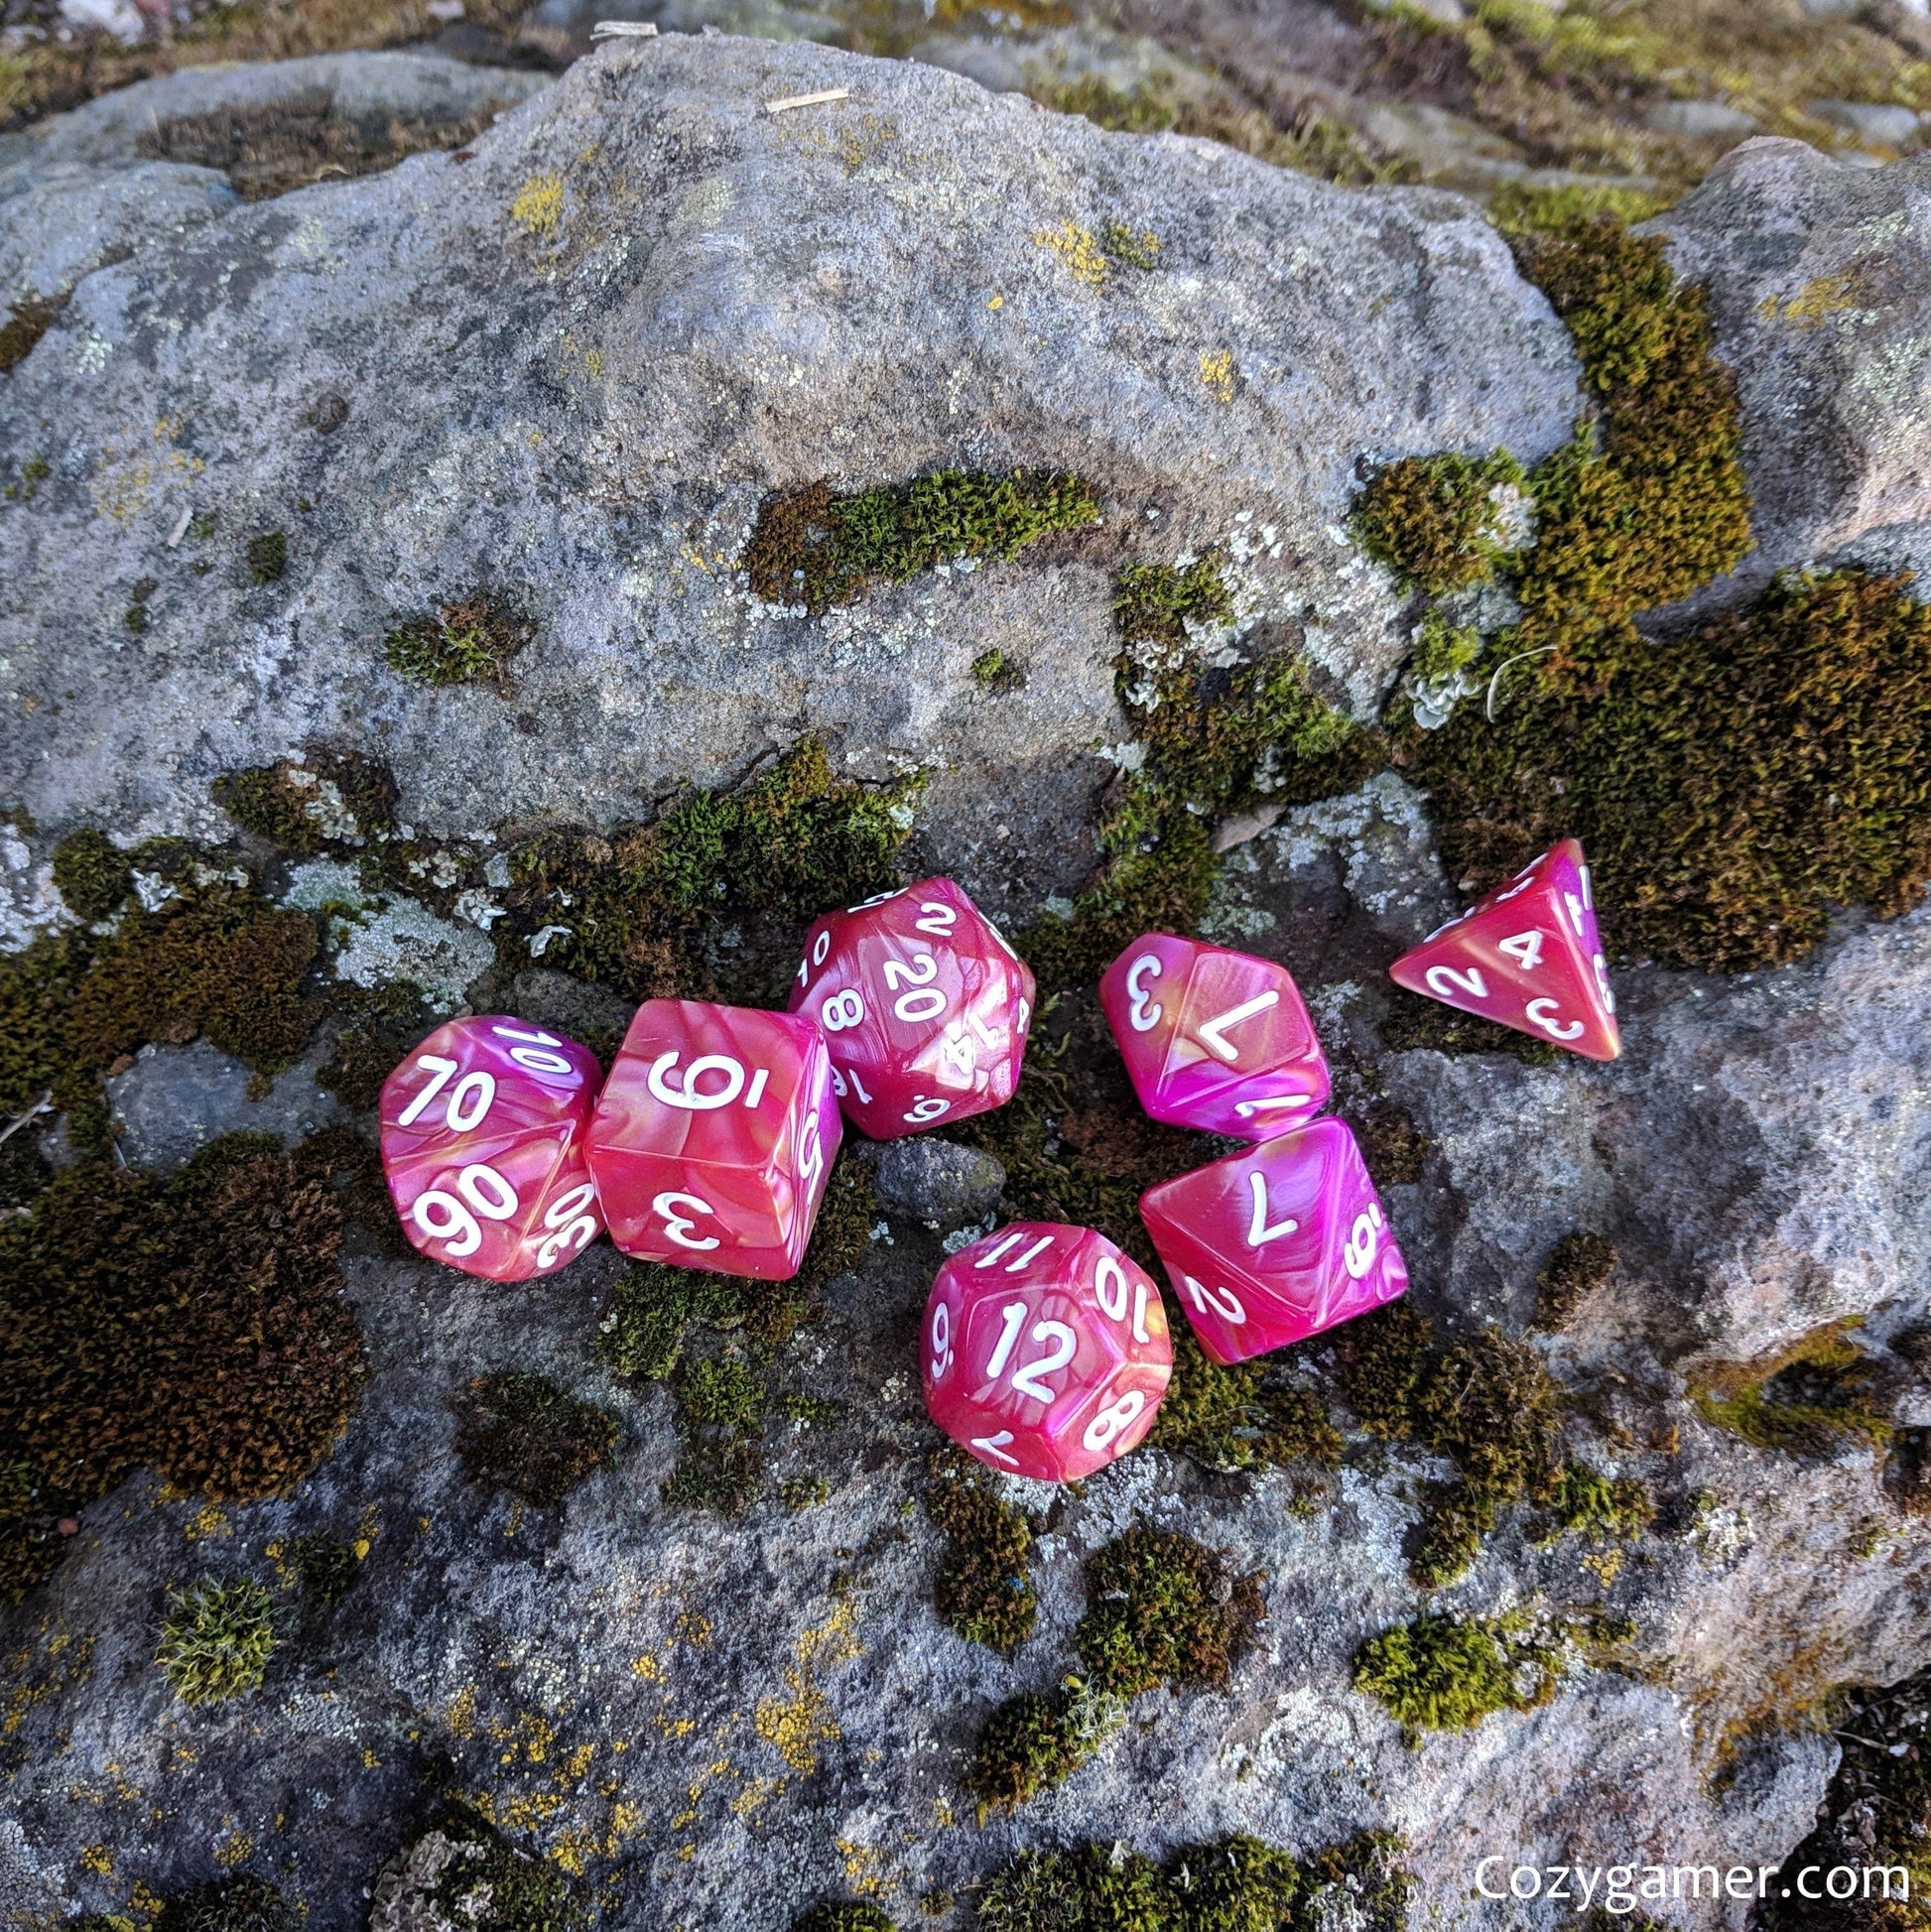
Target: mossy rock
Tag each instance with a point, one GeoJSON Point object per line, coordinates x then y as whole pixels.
{"type": "Point", "coordinates": [244, 1904]}
{"type": "Point", "coordinates": [1163, 1609]}
{"type": "Point", "coordinates": [848, 1915]}
{"type": "Point", "coordinates": [1438, 522]}
{"type": "Point", "coordinates": [522, 1433]}
{"type": "Point", "coordinates": [215, 1640]}
{"type": "Point", "coordinates": [1033, 1742]}
{"type": "Point", "coordinates": [983, 1590]}
{"type": "Point", "coordinates": [1089, 1889]}
{"type": "Point", "coordinates": [1232, 1418]}
{"type": "Point", "coordinates": [1808, 1398]}
{"type": "Point", "coordinates": [92, 873]}
{"type": "Point", "coordinates": [1578, 1266]}
{"type": "Point", "coordinates": [1449, 1673]}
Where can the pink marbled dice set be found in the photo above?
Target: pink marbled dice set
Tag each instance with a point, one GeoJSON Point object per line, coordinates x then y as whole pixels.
{"type": "Point", "coordinates": [1045, 1348]}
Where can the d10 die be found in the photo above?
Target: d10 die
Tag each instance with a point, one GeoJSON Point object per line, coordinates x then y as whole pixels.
{"type": "Point", "coordinates": [924, 1005]}
{"type": "Point", "coordinates": [484, 1128]}
{"type": "Point", "coordinates": [1214, 1039]}
{"type": "Point", "coordinates": [1046, 1351]}
{"type": "Point", "coordinates": [1275, 1242]}
{"type": "Point", "coordinates": [1527, 956]}
{"type": "Point", "coordinates": [715, 1136]}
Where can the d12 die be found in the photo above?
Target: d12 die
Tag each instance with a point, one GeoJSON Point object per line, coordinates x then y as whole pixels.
{"type": "Point", "coordinates": [1214, 1039]}
{"type": "Point", "coordinates": [1046, 1351]}
{"type": "Point", "coordinates": [924, 1005]}
{"type": "Point", "coordinates": [1275, 1242]}
{"type": "Point", "coordinates": [1528, 957]}
{"type": "Point", "coordinates": [714, 1138]}
{"type": "Point", "coordinates": [484, 1128]}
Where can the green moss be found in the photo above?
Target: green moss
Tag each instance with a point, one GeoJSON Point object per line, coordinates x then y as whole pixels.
{"type": "Point", "coordinates": [215, 1640]}
{"type": "Point", "coordinates": [643, 1333]}
{"type": "Point", "coordinates": [522, 1433]}
{"type": "Point", "coordinates": [1239, 1885]}
{"type": "Point", "coordinates": [325, 802]}
{"type": "Point", "coordinates": [815, 548]}
{"type": "Point", "coordinates": [1444, 649]}
{"type": "Point", "coordinates": [1519, 209]}
{"type": "Point", "coordinates": [1807, 1398]}
{"type": "Point", "coordinates": [797, 839]}
{"type": "Point", "coordinates": [1163, 1610]}
{"type": "Point", "coordinates": [1601, 1508]}
{"type": "Point", "coordinates": [1385, 1354]}
{"type": "Point", "coordinates": [92, 873]}
{"type": "Point", "coordinates": [1395, 1149]}
{"type": "Point", "coordinates": [1414, 1023]}
{"type": "Point", "coordinates": [1578, 1266]}
{"type": "Point", "coordinates": [723, 1393]}
{"type": "Point", "coordinates": [994, 671]}
{"type": "Point", "coordinates": [1141, 110]}
{"type": "Point", "coordinates": [1229, 1419]}
{"type": "Point", "coordinates": [1032, 1742]}
{"type": "Point", "coordinates": [28, 320]}
{"type": "Point", "coordinates": [1129, 247]}
{"type": "Point", "coordinates": [464, 642]}
{"type": "Point", "coordinates": [488, 1885]}
{"type": "Point", "coordinates": [24, 1169]}
{"type": "Point", "coordinates": [1360, 1882]}
{"type": "Point", "coordinates": [1449, 1673]}
{"type": "Point", "coordinates": [1438, 522]}
{"type": "Point", "coordinates": [1161, 601]}
{"type": "Point", "coordinates": [1089, 1889]}
{"type": "Point", "coordinates": [1454, 1521]}
{"type": "Point", "coordinates": [244, 1904]}
{"type": "Point", "coordinates": [267, 558]}
{"type": "Point", "coordinates": [195, 1325]}
{"type": "Point", "coordinates": [983, 1590]}
{"type": "Point", "coordinates": [846, 1916]}
{"type": "Point", "coordinates": [326, 1570]}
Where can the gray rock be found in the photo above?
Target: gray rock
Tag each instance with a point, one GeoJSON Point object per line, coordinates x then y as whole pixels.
{"type": "Point", "coordinates": [935, 1179]}
{"type": "Point", "coordinates": [572, 1006]}
{"type": "Point", "coordinates": [174, 1101]}
{"type": "Point", "coordinates": [1882, 124]}
{"type": "Point", "coordinates": [1818, 277]}
{"type": "Point", "coordinates": [1701, 120]}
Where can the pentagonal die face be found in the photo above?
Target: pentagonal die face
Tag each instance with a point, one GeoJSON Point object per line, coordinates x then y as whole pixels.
{"type": "Point", "coordinates": [715, 1136]}
{"type": "Point", "coordinates": [1276, 1242]}
{"type": "Point", "coordinates": [484, 1130]}
{"type": "Point", "coordinates": [924, 1005]}
{"type": "Point", "coordinates": [1214, 1039]}
{"type": "Point", "coordinates": [1046, 1351]}
{"type": "Point", "coordinates": [1527, 956]}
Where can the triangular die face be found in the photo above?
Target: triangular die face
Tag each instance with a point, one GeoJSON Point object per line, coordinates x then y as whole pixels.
{"type": "Point", "coordinates": [1528, 956]}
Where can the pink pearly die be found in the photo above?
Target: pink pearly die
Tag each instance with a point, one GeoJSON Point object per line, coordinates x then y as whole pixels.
{"type": "Point", "coordinates": [1276, 1242]}
{"type": "Point", "coordinates": [484, 1131]}
{"type": "Point", "coordinates": [923, 1006]}
{"type": "Point", "coordinates": [713, 1137]}
{"type": "Point", "coordinates": [1527, 956]}
{"type": "Point", "coordinates": [1214, 1039]}
{"type": "Point", "coordinates": [1045, 1351]}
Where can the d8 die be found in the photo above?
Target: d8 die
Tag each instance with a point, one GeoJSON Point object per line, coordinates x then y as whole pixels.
{"type": "Point", "coordinates": [484, 1128]}
{"type": "Point", "coordinates": [715, 1136]}
{"type": "Point", "coordinates": [1527, 956]}
{"type": "Point", "coordinates": [1046, 1351]}
{"type": "Point", "coordinates": [1275, 1242]}
{"type": "Point", "coordinates": [1214, 1039]}
{"type": "Point", "coordinates": [924, 1005]}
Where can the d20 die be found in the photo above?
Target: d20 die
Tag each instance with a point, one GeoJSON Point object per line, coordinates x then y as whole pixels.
{"type": "Point", "coordinates": [484, 1130]}
{"type": "Point", "coordinates": [1046, 1351]}
{"type": "Point", "coordinates": [1528, 957]}
{"type": "Point", "coordinates": [1275, 1242]}
{"type": "Point", "coordinates": [715, 1136]}
{"type": "Point", "coordinates": [924, 1005]}
{"type": "Point", "coordinates": [1214, 1039]}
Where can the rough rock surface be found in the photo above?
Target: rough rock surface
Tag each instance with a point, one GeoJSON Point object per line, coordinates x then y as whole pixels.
{"type": "Point", "coordinates": [935, 1179]}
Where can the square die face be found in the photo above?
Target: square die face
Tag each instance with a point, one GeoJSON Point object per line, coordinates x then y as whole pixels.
{"type": "Point", "coordinates": [715, 1136]}
{"type": "Point", "coordinates": [484, 1128]}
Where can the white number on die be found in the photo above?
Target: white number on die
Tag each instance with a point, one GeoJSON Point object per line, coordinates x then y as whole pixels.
{"type": "Point", "coordinates": [1222, 1302]}
{"type": "Point", "coordinates": [572, 1228]}
{"type": "Point", "coordinates": [1546, 1014]}
{"type": "Point", "coordinates": [1446, 981]}
{"type": "Point", "coordinates": [1260, 1228]}
{"type": "Point", "coordinates": [677, 1224]}
{"type": "Point", "coordinates": [1142, 1016]}
{"type": "Point", "coordinates": [1006, 1247]}
{"type": "Point", "coordinates": [1601, 966]}
{"type": "Point", "coordinates": [841, 1011]}
{"type": "Point", "coordinates": [1109, 1291]}
{"type": "Point", "coordinates": [810, 1154]}
{"type": "Point", "coordinates": [1364, 1242]}
{"type": "Point", "coordinates": [937, 919]}
{"type": "Point", "coordinates": [484, 1192]}
{"type": "Point", "coordinates": [439, 1071]}
{"type": "Point", "coordinates": [471, 1099]}
{"type": "Point", "coordinates": [996, 1445]}
{"type": "Point", "coordinates": [532, 1055]}
{"type": "Point", "coordinates": [685, 1090]}
{"type": "Point", "coordinates": [924, 1109]}
{"type": "Point", "coordinates": [1061, 1345]}
{"type": "Point", "coordinates": [942, 1353]}
{"type": "Point", "coordinates": [1525, 949]}
{"type": "Point", "coordinates": [1214, 1032]}
{"type": "Point", "coordinates": [912, 1007]}
{"type": "Point", "coordinates": [1114, 1420]}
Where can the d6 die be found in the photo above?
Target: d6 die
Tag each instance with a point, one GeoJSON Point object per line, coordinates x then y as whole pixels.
{"type": "Point", "coordinates": [484, 1128]}
{"type": "Point", "coordinates": [1275, 1242]}
{"type": "Point", "coordinates": [1046, 1351]}
{"type": "Point", "coordinates": [1214, 1039]}
{"type": "Point", "coordinates": [1527, 956]}
{"type": "Point", "coordinates": [715, 1136]}
{"type": "Point", "coordinates": [924, 1005]}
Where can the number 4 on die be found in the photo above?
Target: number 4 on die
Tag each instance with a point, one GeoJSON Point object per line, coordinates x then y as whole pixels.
{"type": "Point", "coordinates": [1528, 957]}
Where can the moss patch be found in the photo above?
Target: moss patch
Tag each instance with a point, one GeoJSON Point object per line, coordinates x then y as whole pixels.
{"type": "Point", "coordinates": [462, 643]}
{"type": "Point", "coordinates": [215, 1640]}
{"type": "Point", "coordinates": [244, 1904]}
{"type": "Point", "coordinates": [489, 1886]}
{"type": "Point", "coordinates": [92, 873]}
{"type": "Point", "coordinates": [1163, 1610]}
{"type": "Point", "coordinates": [1234, 1419]}
{"type": "Point", "coordinates": [1438, 522]}
{"type": "Point", "coordinates": [983, 1590]}
{"type": "Point", "coordinates": [1601, 1508]}
{"type": "Point", "coordinates": [326, 1570]}
{"type": "Point", "coordinates": [325, 802]}
{"type": "Point", "coordinates": [28, 320]}
{"type": "Point", "coordinates": [1807, 1398]}
{"type": "Point", "coordinates": [1413, 1022]}
{"type": "Point", "coordinates": [1578, 1266]}
{"type": "Point", "coordinates": [194, 1325]}
{"type": "Point", "coordinates": [1032, 1742]}
{"type": "Point", "coordinates": [1449, 1673]}
{"type": "Point", "coordinates": [524, 1434]}
{"type": "Point", "coordinates": [1089, 1889]}
{"type": "Point", "coordinates": [848, 1915]}
{"type": "Point", "coordinates": [816, 548]}
{"type": "Point", "coordinates": [267, 558]}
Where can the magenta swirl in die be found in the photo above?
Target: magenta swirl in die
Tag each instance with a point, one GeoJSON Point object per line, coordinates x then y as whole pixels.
{"type": "Point", "coordinates": [1527, 956]}
{"type": "Point", "coordinates": [924, 1005]}
{"type": "Point", "coordinates": [485, 1132]}
{"type": "Point", "coordinates": [1276, 1242]}
{"type": "Point", "coordinates": [1046, 1351]}
{"type": "Point", "coordinates": [714, 1138]}
{"type": "Point", "coordinates": [1214, 1039]}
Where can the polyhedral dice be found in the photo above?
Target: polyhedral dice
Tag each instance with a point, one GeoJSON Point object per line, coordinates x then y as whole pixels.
{"type": "Point", "coordinates": [1528, 956]}
{"type": "Point", "coordinates": [1046, 1351]}
{"type": "Point", "coordinates": [1275, 1242]}
{"type": "Point", "coordinates": [484, 1128]}
{"type": "Point", "coordinates": [924, 1005]}
{"type": "Point", "coordinates": [715, 1136]}
{"type": "Point", "coordinates": [1214, 1039]}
